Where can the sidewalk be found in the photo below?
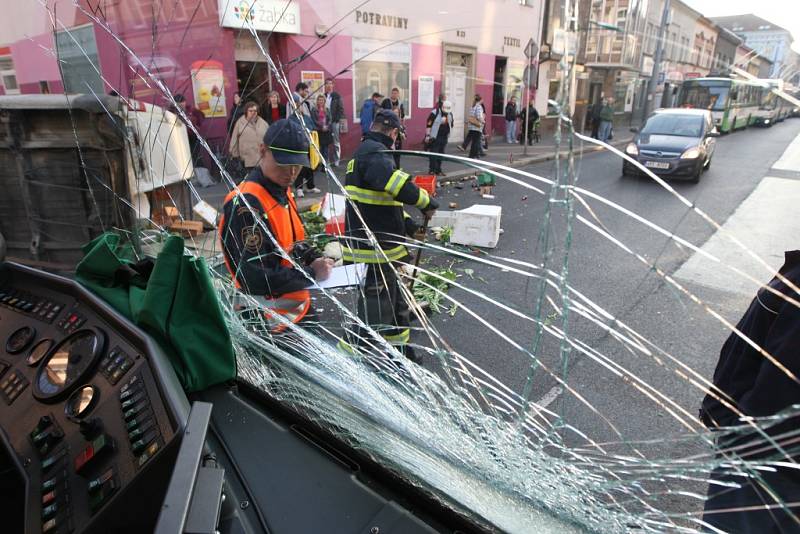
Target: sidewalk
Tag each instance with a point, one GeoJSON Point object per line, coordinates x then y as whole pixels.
{"type": "Point", "coordinates": [499, 152]}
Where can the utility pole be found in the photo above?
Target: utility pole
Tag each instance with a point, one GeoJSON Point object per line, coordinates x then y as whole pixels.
{"type": "Point", "coordinates": [651, 87]}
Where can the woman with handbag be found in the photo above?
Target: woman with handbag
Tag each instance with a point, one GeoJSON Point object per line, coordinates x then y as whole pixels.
{"type": "Point", "coordinates": [475, 122]}
{"type": "Point", "coordinates": [248, 133]}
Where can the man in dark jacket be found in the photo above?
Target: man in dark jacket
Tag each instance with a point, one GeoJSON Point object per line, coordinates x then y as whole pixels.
{"type": "Point", "coordinates": [529, 118]}
{"type": "Point", "coordinates": [394, 103]}
{"type": "Point", "coordinates": [748, 381]}
{"type": "Point", "coordinates": [594, 115]}
{"type": "Point", "coordinates": [378, 190]}
{"type": "Point", "coordinates": [333, 101]}
{"type": "Point", "coordinates": [511, 120]}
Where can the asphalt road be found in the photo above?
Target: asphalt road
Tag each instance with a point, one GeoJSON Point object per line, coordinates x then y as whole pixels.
{"type": "Point", "coordinates": [612, 409]}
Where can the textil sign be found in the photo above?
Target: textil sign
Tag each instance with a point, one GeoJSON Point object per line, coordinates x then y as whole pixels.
{"type": "Point", "coordinates": [264, 15]}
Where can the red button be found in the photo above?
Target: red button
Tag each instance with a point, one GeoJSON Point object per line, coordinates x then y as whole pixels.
{"type": "Point", "coordinates": [47, 498]}
{"type": "Point", "coordinates": [73, 318]}
{"type": "Point", "coordinates": [83, 457]}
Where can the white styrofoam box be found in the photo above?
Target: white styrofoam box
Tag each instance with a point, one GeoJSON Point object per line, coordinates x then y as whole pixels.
{"type": "Point", "coordinates": [478, 225]}
{"type": "Point", "coordinates": [443, 218]}
{"type": "Point", "coordinates": [332, 206]}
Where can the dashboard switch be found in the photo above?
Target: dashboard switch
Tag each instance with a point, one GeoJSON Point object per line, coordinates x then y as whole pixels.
{"type": "Point", "coordinates": [101, 444]}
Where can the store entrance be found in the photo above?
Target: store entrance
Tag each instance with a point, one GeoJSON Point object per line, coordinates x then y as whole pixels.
{"type": "Point", "coordinates": [253, 81]}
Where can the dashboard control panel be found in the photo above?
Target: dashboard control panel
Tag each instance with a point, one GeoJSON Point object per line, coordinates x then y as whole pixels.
{"type": "Point", "coordinates": [91, 410]}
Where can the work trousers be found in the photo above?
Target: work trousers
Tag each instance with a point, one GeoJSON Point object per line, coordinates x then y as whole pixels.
{"type": "Point", "coordinates": [336, 143]}
{"type": "Point", "coordinates": [437, 146]}
{"type": "Point", "coordinates": [382, 306]}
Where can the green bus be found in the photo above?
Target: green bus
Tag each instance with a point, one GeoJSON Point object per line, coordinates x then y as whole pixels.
{"type": "Point", "coordinates": [734, 104]}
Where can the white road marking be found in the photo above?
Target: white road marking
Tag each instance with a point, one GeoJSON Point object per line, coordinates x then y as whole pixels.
{"type": "Point", "coordinates": [548, 398]}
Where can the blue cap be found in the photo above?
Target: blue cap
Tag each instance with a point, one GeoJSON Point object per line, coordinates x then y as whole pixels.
{"type": "Point", "coordinates": [387, 117]}
{"type": "Point", "coordinates": [288, 143]}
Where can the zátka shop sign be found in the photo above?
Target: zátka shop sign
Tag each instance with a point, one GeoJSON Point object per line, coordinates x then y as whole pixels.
{"type": "Point", "coordinates": [262, 15]}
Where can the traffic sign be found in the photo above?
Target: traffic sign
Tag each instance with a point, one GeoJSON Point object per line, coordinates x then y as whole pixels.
{"type": "Point", "coordinates": [531, 49]}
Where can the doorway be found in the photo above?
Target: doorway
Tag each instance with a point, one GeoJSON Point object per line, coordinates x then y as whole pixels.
{"type": "Point", "coordinates": [253, 81]}
{"type": "Point", "coordinates": [456, 91]}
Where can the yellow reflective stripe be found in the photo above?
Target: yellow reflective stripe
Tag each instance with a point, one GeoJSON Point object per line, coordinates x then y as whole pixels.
{"type": "Point", "coordinates": [351, 165]}
{"type": "Point", "coordinates": [406, 215]}
{"type": "Point", "coordinates": [398, 339]}
{"type": "Point", "coordinates": [368, 255]}
{"type": "Point", "coordinates": [346, 347]}
{"type": "Point", "coordinates": [423, 200]}
{"type": "Point", "coordinates": [368, 196]}
{"type": "Point", "coordinates": [396, 181]}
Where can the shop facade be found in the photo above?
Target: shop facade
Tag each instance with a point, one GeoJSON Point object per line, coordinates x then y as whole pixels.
{"type": "Point", "coordinates": [210, 49]}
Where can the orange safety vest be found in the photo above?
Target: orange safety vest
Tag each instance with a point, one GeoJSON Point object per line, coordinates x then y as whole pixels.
{"type": "Point", "coordinates": [286, 229]}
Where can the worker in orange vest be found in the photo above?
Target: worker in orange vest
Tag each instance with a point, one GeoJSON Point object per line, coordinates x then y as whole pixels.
{"type": "Point", "coordinates": [261, 213]}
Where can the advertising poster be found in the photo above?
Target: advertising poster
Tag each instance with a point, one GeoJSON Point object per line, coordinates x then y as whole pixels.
{"type": "Point", "coordinates": [208, 84]}
{"type": "Point", "coordinates": [425, 92]}
{"type": "Point", "coordinates": [315, 79]}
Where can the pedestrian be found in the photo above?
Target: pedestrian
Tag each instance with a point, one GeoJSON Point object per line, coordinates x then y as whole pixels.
{"type": "Point", "coordinates": [334, 103]}
{"type": "Point", "coordinates": [394, 103]}
{"type": "Point", "coordinates": [246, 137]}
{"type": "Point", "coordinates": [321, 115]}
{"type": "Point", "coordinates": [511, 115]}
{"type": "Point", "coordinates": [437, 132]}
{"type": "Point", "coordinates": [304, 183]}
{"type": "Point", "coordinates": [195, 118]}
{"type": "Point", "coordinates": [368, 111]}
{"type": "Point", "coordinates": [755, 386]}
{"type": "Point", "coordinates": [484, 137]}
{"type": "Point", "coordinates": [263, 209]}
{"type": "Point", "coordinates": [529, 120]}
{"type": "Point", "coordinates": [606, 120]}
{"type": "Point", "coordinates": [274, 110]}
{"type": "Point", "coordinates": [236, 111]}
{"type": "Point", "coordinates": [594, 115]}
{"type": "Point", "coordinates": [378, 190]}
{"type": "Point", "coordinates": [475, 122]}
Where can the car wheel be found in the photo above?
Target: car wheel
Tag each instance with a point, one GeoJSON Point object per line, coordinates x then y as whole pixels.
{"type": "Point", "coordinates": [708, 164]}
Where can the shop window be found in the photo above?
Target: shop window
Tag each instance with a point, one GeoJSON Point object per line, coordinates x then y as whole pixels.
{"type": "Point", "coordinates": [499, 88]}
{"type": "Point", "coordinates": [8, 75]}
{"type": "Point", "coordinates": [44, 87]}
{"type": "Point", "coordinates": [620, 92]}
{"type": "Point", "coordinates": [383, 68]}
{"type": "Point", "coordinates": [76, 49]}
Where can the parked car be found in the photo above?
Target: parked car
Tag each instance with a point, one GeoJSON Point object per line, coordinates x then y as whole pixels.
{"type": "Point", "coordinates": [674, 142]}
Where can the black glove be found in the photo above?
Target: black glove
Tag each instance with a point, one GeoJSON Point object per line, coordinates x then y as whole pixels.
{"type": "Point", "coordinates": [304, 253]}
{"type": "Point", "coordinates": [411, 227]}
{"type": "Point", "coordinates": [433, 205]}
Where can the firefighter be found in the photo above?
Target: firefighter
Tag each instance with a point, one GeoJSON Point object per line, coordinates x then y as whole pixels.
{"type": "Point", "coordinates": [255, 263]}
{"type": "Point", "coordinates": [379, 190]}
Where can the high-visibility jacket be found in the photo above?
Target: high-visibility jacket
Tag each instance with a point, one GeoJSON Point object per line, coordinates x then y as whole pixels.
{"type": "Point", "coordinates": [287, 230]}
{"type": "Point", "coordinates": [379, 190]}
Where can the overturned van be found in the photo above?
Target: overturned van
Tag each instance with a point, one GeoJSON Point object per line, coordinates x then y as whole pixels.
{"type": "Point", "coordinates": [72, 166]}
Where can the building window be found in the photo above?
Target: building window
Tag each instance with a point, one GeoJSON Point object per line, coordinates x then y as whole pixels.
{"type": "Point", "coordinates": [76, 49]}
{"type": "Point", "coordinates": [44, 87]}
{"type": "Point", "coordinates": [8, 75]}
{"type": "Point", "coordinates": [383, 68]}
{"type": "Point", "coordinates": [552, 95]}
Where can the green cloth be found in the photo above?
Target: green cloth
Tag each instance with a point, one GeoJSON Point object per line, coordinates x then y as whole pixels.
{"type": "Point", "coordinates": [485, 179]}
{"type": "Point", "coordinates": [175, 304]}
{"type": "Point", "coordinates": [607, 114]}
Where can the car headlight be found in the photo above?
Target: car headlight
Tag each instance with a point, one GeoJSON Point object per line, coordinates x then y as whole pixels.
{"type": "Point", "coordinates": [692, 153]}
{"type": "Point", "coordinates": [631, 149]}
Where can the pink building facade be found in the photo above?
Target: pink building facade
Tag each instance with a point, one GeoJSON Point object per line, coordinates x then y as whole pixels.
{"type": "Point", "coordinates": [208, 50]}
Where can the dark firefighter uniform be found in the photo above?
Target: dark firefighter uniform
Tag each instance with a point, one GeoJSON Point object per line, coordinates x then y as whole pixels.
{"type": "Point", "coordinates": [757, 387]}
{"type": "Point", "coordinates": [254, 262]}
{"type": "Point", "coordinates": [379, 190]}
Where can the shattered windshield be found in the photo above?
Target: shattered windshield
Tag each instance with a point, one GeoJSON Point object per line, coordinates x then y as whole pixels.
{"type": "Point", "coordinates": [424, 240]}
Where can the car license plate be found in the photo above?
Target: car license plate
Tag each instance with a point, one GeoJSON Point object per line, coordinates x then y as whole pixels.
{"type": "Point", "coordinates": [656, 164]}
